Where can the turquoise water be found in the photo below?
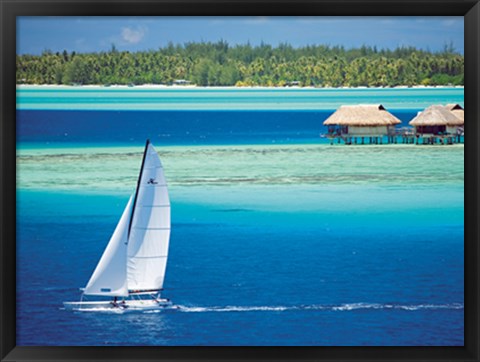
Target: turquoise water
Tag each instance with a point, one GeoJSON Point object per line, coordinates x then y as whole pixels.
{"type": "Point", "coordinates": [114, 169]}
{"type": "Point", "coordinates": [276, 240]}
{"type": "Point", "coordinates": [125, 98]}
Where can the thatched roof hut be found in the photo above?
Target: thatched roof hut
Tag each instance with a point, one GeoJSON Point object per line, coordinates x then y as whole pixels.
{"type": "Point", "coordinates": [457, 110]}
{"type": "Point", "coordinates": [436, 116]}
{"type": "Point", "coordinates": [362, 115]}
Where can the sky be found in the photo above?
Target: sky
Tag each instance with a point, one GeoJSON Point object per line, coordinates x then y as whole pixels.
{"type": "Point", "coordinates": [95, 34]}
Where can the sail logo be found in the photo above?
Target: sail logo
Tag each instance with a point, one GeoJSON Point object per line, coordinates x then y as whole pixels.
{"type": "Point", "coordinates": [152, 182]}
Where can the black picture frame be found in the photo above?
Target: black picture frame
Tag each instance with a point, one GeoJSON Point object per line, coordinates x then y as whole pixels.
{"type": "Point", "coordinates": [10, 9]}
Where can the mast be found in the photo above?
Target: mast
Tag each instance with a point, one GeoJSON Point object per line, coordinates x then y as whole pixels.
{"type": "Point", "coordinates": [138, 186]}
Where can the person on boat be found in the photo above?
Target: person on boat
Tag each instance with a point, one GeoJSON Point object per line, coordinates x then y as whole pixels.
{"type": "Point", "coordinates": [114, 302]}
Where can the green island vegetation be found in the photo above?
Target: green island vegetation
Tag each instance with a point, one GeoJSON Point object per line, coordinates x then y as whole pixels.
{"type": "Point", "coordinates": [219, 64]}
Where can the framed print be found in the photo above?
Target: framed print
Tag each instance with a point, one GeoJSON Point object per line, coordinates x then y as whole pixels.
{"type": "Point", "coordinates": [218, 180]}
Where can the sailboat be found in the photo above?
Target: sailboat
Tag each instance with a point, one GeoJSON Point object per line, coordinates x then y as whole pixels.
{"type": "Point", "coordinates": [131, 271]}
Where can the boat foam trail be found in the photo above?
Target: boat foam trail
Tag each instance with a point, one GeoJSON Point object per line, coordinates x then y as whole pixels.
{"type": "Point", "coordinates": [313, 307]}
{"type": "Point", "coordinates": [324, 307]}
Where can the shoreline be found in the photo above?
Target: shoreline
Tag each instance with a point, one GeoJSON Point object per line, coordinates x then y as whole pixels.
{"type": "Point", "coordinates": [195, 87]}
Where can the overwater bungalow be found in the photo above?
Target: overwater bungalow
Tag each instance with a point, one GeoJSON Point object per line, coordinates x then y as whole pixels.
{"type": "Point", "coordinates": [458, 111]}
{"type": "Point", "coordinates": [364, 123]}
{"type": "Point", "coordinates": [437, 124]}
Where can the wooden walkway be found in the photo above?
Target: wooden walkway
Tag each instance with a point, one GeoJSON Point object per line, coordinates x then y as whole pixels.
{"type": "Point", "coordinates": [395, 139]}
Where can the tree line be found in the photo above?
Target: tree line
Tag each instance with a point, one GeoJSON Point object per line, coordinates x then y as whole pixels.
{"type": "Point", "coordinates": [219, 64]}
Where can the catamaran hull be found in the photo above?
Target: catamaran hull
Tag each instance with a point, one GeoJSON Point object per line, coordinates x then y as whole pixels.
{"type": "Point", "coordinates": [128, 305]}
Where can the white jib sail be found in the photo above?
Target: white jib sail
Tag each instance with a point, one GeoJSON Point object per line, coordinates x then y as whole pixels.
{"type": "Point", "coordinates": [110, 275]}
{"type": "Point", "coordinates": [147, 250]}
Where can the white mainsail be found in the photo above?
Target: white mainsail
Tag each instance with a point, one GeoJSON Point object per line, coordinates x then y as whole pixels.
{"type": "Point", "coordinates": [150, 227]}
{"type": "Point", "coordinates": [136, 256]}
{"type": "Point", "coordinates": [110, 275]}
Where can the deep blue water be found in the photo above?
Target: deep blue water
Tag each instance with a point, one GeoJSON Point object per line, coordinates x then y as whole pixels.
{"type": "Point", "coordinates": [176, 127]}
{"type": "Point", "coordinates": [247, 277]}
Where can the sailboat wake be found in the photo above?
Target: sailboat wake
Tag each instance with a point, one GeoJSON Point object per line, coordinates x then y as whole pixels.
{"type": "Point", "coordinates": [313, 307]}
{"type": "Point", "coordinates": [317, 307]}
